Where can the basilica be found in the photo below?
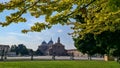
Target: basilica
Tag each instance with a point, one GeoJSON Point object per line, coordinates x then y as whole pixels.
{"type": "Point", "coordinates": [52, 48]}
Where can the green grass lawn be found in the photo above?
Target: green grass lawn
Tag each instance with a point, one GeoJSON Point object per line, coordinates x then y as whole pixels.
{"type": "Point", "coordinates": [59, 64]}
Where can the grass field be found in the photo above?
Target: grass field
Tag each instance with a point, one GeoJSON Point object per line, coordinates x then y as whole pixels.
{"type": "Point", "coordinates": [59, 64]}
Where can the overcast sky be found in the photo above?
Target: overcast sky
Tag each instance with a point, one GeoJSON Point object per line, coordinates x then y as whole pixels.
{"type": "Point", "coordinates": [11, 34]}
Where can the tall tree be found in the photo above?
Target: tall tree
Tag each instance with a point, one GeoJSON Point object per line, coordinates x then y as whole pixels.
{"type": "Point", "coordinates": [22, 50]}
{"type": "Point", "coordinates": [13, 48]}
{"type": "Point", "coordinates": [86, 45]}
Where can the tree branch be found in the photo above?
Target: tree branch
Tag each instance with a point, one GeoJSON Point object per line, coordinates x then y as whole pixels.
{"type": "Point", "coordinates": [3, 24]}
{"type": "Point", "coordinates": [78, 9]}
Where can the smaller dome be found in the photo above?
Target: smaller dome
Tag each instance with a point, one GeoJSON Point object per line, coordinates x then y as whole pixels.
{"type": "Point", "coordinates": [44, 43]}
{"type": "Point", "coordinates": [50, 42]}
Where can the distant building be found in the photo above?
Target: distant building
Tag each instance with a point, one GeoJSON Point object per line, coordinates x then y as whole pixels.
{"type": "Point", "coordinates": [43, 48]}
{"type": "Point", "coordinates": [76, 53]}
{"type": "Point", "coordinates": [4, 48]}
{"type": "Point", "coordinates": [57, 49]}
{"type": "Point", "coordinates": [50, 48]}
{"type": "Point", "coordinates": [11, 54]}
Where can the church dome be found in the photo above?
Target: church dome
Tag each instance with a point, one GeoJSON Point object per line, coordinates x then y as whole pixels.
{"type": "Point", "coordinates": [44, 43]}
{"type": "Point", "coordinates": [50, 42]}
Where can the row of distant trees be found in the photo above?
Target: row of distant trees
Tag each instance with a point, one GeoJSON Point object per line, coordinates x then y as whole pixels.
{"type": "Point", "coordinates": [22, 50]}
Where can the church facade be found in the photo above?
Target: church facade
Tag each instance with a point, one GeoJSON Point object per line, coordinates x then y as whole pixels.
{"type": "Point", "coordinates": [52, 48]}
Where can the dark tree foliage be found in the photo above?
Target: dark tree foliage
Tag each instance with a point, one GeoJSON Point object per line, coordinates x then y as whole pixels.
{"type": "Point", "coordinates": [38, 52]}
{"type": "Point", "coordinates": [79, 18]}
{"type": "Point", "coordinates": [109, 42]}
{"type": "Point", "coordinates": [13, 48]}
{"type": "Point", "coordinates": [22, 49]}
{"type": "Point", "coordinates": [86, 45]}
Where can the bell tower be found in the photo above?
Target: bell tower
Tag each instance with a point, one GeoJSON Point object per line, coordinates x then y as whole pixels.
{"type": "Point", "coordinates": [58, 39]}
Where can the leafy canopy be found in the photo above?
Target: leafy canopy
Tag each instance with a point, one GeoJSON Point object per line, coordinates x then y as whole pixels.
{"type": "Point", "coordinates": [98, 15]}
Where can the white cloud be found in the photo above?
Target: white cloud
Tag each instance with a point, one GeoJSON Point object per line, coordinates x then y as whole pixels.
{"type": "Point", "coordinates": [60, 31]}
{"type": "Point", "coordinates": [9, 40]}
{"type": "Point", "coordinates": [17, 34]}
{"type": "Point", "coordinates": [31, 36]}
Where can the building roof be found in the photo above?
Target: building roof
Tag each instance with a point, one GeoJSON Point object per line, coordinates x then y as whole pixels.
{"type": "Point", "coordinates": [44, 43]}
{"type": "Point", "coordinates": [4, 45]}
{"type": "Point", "coordinates": [72, 50]}
{"type": "Point", "coordinates": [50, 42]}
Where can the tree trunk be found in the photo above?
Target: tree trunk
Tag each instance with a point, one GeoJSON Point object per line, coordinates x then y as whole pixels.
{"type": "Point", "coordinates": [89, 57]}
{"type": "Point", "coordinates": [31, 57]}
{"type": "Point", "coordinates": [53, 56]}
{"type": "Point", "coordinates": [31, 53]}
{"type": "Point", "coordinates": [5, 55]}
{"type": "Point", "coordinates": [118, 59]}
{"type": "Point", "coordinates": [2, 55]}
{"type": "Point", "coordinates": [72, 56]}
